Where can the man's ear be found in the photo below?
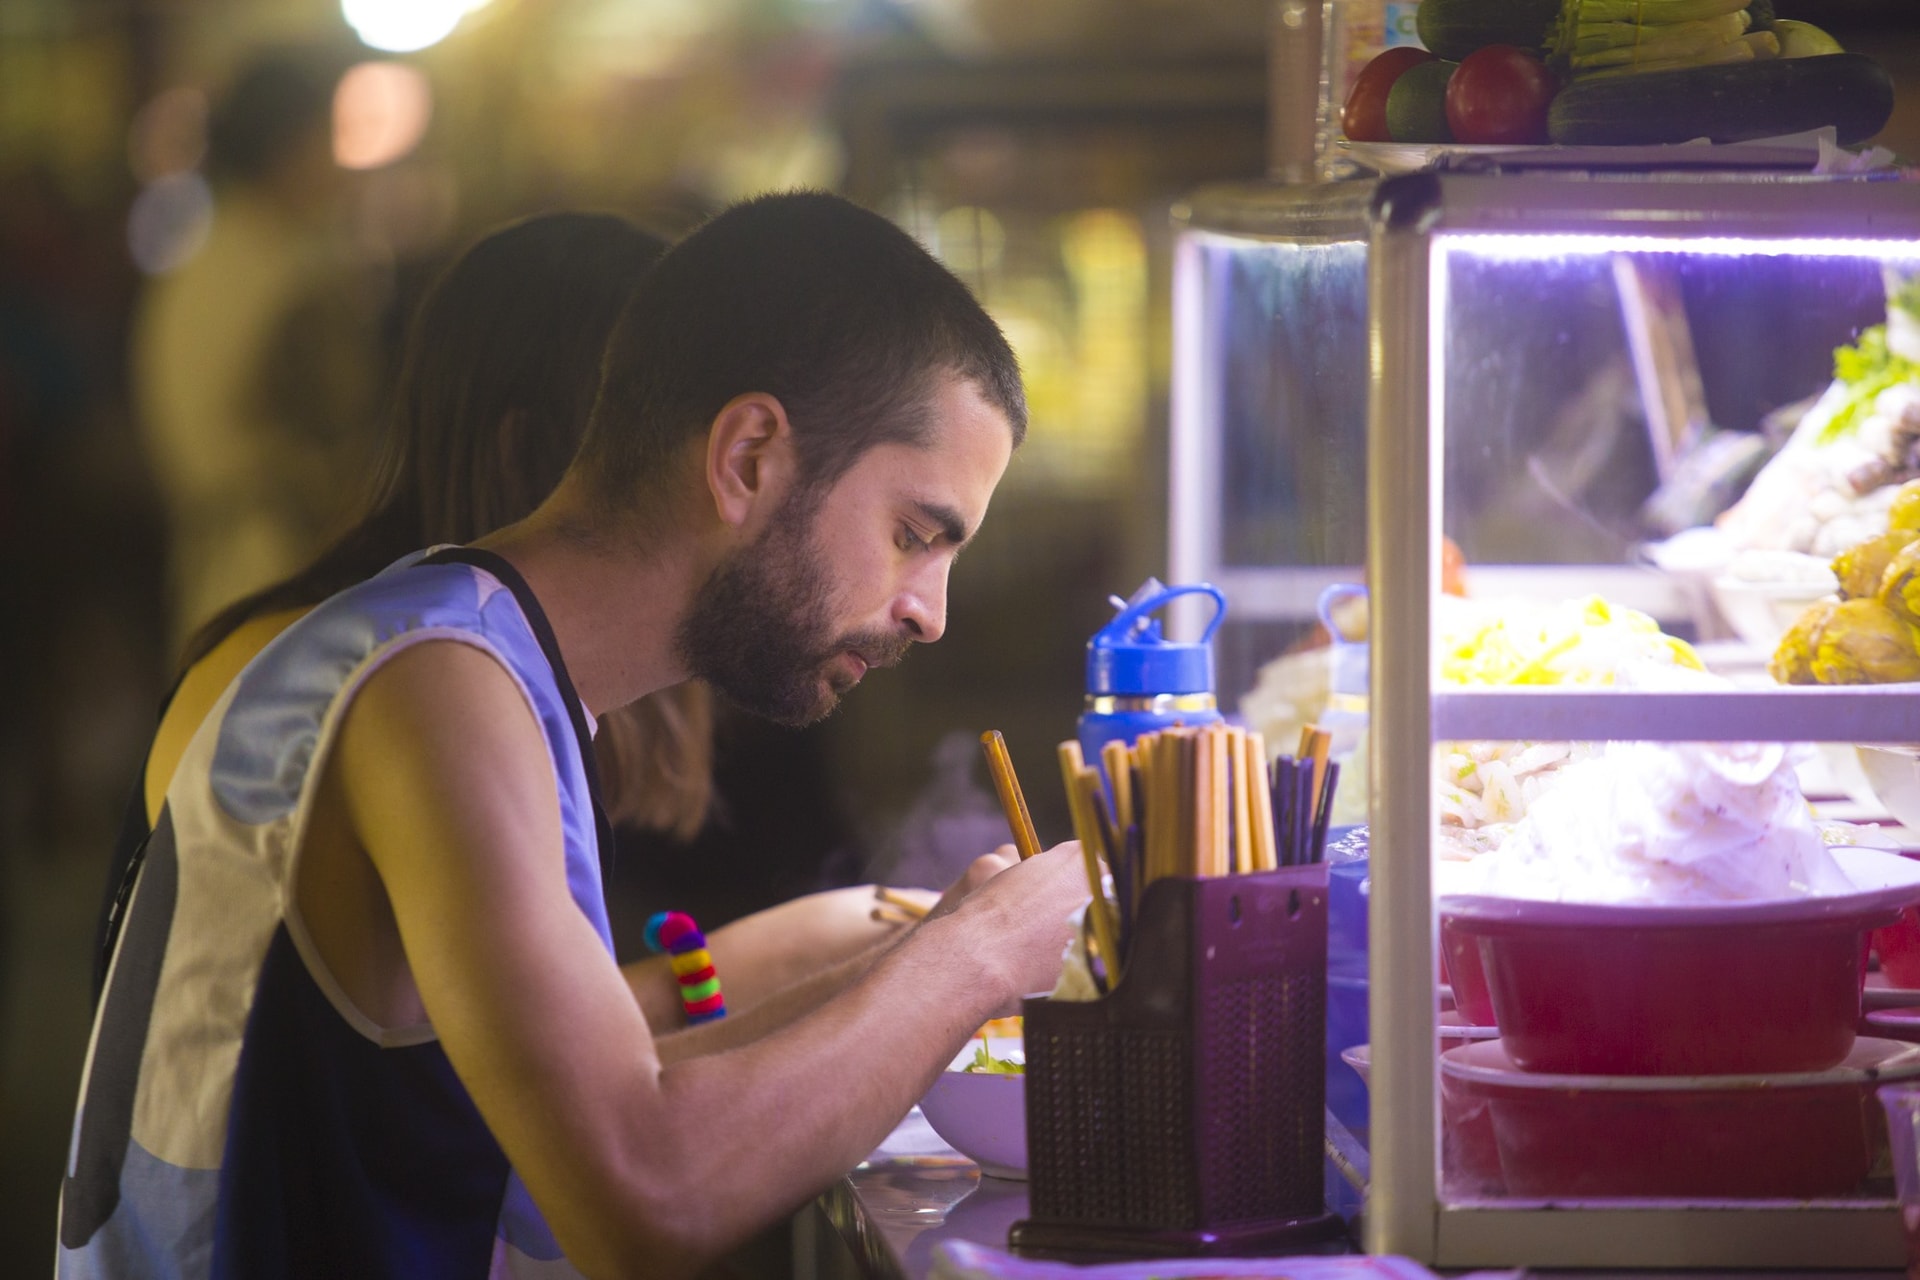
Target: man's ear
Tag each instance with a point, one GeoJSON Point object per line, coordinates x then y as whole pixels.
{"type": "Point", "coordinates": [750, 458]}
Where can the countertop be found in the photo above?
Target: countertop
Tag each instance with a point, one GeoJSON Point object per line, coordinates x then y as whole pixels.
{"type": "Point", "coordinates": [913, 1193]}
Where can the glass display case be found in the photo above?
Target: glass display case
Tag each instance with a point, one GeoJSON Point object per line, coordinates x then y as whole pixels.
{"type": "Point", "coordinates": [1537, 369]}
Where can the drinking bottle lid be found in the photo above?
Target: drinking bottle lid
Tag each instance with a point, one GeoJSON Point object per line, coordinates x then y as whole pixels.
{"type": "Point", "coordinates": [1130, 657]}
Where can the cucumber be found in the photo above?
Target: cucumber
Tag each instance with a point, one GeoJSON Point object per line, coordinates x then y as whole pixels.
{"type": "Point", "coordinates": [1452, 29]}
{"type": "Point", "coordinates": [1734, 102]}
{"type": "Point", "coordinates": [1417, 103]}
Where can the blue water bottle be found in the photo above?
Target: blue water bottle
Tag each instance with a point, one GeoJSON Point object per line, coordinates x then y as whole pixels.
{"type": "Point", "coordinates": [1138, 681]}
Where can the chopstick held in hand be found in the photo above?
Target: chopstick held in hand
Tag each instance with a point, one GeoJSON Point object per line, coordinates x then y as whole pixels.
{"type": "Point", "coordinates": [1007, 786]}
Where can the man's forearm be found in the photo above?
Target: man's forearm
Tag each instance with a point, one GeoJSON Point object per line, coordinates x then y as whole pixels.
{"type": "Point", "coordinates": [768, 952]}
{"type": "Point", "coordinates": [773, 1012]}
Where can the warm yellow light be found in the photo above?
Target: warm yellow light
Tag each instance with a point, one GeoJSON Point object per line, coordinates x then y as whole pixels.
{"type": "Point", "coordinates": [380, 113]}
{"type": "Point", "coordinates": [403, 26]}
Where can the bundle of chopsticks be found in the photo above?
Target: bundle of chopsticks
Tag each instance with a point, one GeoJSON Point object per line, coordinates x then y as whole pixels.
{"type": "Point", "coordinates": [1191, 802]}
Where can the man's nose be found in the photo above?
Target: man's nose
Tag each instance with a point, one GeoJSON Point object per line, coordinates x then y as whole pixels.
{"type": "Point", "coordinates": [921, 607]}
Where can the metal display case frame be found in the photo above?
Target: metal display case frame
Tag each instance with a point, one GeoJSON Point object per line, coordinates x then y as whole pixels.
{"type": "Point", "coordinates": [1413, 223]}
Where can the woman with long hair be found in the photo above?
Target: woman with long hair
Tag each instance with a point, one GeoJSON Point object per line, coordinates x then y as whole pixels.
{"type": "Point", "coordinates": [499, 375]}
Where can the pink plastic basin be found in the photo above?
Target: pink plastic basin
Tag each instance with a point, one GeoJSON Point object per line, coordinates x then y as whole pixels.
{"type": "Point", "coordinates": [1790, 1135]}
{"type": "Point", "coordinates": [1696, 990]}
{"type": "Point", "coordinates": [1469, 1159]}
{"type": "Point", "coordinates": [1465, 974]}
{"type": "Point", "coordinates": [1898, 946]}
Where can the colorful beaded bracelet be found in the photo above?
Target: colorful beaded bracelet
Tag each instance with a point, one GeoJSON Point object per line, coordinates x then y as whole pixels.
{"type": "Point", "coordinates": [675, 933]}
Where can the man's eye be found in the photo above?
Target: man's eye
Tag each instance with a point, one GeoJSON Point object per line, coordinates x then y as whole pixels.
{"type": "Point", "coordinates": [910, 540]}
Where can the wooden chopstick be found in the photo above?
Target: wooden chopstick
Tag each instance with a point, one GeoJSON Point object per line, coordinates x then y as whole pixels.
{"type": "Point", "coordinates": [1260, 801]}
{"type": "Point", "coordinates": [1200, 783]}
{"type": "Point", "coordinates": [1238, 771]}
{"type": "Point", "coordinates": [1083, 786]}
{"type": "Point", "coordinates": [1119, 783]}
{"type": "Point", "coordinates": [894, 898]}
{"type": "Point", "coordinates": [1318, 748]}
{"type": "Point", "coordinates": [1007, 786]}
{"type": "Point", "coordinates": [1220, 802]}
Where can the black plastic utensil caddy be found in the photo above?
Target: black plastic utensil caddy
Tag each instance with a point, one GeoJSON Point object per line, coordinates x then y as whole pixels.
{"type": "Point", "coordinates": [1183, 1112]}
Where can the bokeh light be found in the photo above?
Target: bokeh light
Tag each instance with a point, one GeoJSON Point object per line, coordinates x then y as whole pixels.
{"type": "Point", "coordinates": [403, 26]}
{"type": "Point", "coordinates": [380, 113]}
{"type": "Point", "coordinates": [169, 221]}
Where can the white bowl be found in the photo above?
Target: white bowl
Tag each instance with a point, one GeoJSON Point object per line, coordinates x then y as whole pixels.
{"type": "Point", "coordinates": [1761, 612]}
{"type": "Point", "coordinates": [981, 1115]}
{"type": "Point", "coordinates": [1894, 775]}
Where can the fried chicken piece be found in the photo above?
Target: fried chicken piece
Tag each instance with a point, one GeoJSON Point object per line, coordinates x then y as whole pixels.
{"type": "Point", "coordinates": [1792, 661]}
{"type": "Point", "coordinates": [1864, 642]}
{"type": "Point", "coordinates": [1861, 567]}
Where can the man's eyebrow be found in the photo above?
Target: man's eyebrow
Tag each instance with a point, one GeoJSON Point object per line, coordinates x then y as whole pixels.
{"type": "Point", "coordinates": [953, 526]}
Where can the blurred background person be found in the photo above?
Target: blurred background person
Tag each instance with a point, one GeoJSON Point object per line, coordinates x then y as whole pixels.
{"type": "Point", "coordinates": [257, 367]}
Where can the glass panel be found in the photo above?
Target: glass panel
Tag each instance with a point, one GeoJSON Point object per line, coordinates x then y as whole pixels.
{"type": "Point", "coordinates": [1549, 458]}
{"type": "Point", "coordinates": [1293, 411]}
{"type": "Point", "coordinates": [1640, 917]}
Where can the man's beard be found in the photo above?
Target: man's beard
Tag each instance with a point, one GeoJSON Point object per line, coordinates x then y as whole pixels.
{"type": "Point", "coordinates": [759, 630]}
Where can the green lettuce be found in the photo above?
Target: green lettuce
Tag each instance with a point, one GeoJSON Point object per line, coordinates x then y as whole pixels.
{"type": "Point", "coordinates": [1865, 369]}
{"type": "Point", "coordinates": [985, 1063]}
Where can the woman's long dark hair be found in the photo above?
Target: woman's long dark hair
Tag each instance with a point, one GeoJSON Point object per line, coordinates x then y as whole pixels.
{"type": "Point", "coordinates": [501, 367]}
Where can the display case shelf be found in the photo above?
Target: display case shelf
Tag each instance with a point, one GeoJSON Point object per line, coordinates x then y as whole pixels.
{"type": "Point", "coordinates": [1828, 1235]}
{"type": "Point", "coordinates": [1888, 713]}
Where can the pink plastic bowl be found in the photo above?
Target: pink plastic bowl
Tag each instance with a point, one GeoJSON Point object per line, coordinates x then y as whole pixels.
{"type": "Point", "coordinates": [1465, 974]}
{"type": "Point", "coordinates": [1682, 990]}
{"type": "Point", "coordinates": [1468, 1156]}
{"type": "Point", "coordinates": [1898, 946]}
{"type": "Point", "coordinates": [1792, 1136]}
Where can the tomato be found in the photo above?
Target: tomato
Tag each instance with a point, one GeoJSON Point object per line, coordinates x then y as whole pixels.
{"type": "Point", "coordinates": [1500, 94]}
{"type": "Point", "coordinates": [1364, 118]}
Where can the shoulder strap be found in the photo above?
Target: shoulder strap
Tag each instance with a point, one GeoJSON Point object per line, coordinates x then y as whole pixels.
{"type": "Point", "coordinates": [509, 577]}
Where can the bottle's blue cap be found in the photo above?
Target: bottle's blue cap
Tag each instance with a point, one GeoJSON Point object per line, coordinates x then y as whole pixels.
{"type": "Point", "coordinates": [1130, 658]}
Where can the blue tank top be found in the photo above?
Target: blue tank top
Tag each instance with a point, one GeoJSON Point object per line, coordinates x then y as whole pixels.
{"type": "Point", "coordinates": [239, 1118]}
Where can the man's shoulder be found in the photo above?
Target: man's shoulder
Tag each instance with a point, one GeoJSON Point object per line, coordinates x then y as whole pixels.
{"type": "Point", "coordinates": [283, 702]}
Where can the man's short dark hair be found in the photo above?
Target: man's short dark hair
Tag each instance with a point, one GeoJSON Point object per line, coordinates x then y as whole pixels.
{"type": "Point", "coordinates": [833, 310]}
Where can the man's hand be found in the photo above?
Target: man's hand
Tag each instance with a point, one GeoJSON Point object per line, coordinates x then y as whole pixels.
{"type": "Point", "coordinates": [978, 872]}
{"type": "Point", "coordinates": [1025, 908]}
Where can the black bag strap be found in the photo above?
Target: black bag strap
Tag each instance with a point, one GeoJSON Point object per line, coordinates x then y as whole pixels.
{"type": "Point", "coordinates": [130, 847]}
{"type": "Point", "coordinates": [510, 578]}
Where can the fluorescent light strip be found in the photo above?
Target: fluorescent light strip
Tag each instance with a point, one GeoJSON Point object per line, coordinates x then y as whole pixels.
{"type": "Point", "coordinates": [1525, 247]}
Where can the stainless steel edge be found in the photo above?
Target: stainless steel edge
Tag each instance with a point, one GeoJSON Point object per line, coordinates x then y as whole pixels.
{"type": "Point", "coordinates": [1678, 205]}
{"type": "Point", "coordinates": [1194, 431]}
{"type": "Point", "coordinates": [1298, 213]}
{"type": "Point", "coordinates": [1820, 1236]}
{"type": "Point", "coordinates": [1403, 567]}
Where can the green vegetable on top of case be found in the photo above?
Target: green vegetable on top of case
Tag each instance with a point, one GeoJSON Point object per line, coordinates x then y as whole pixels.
{"type": "Point", "coordinates": [1730, 102]}
{"type": "Point", "coordinates": [1417, 103]}
{"type": "Point", "coordinates": [1623, 37]}
{"type": "Point", "coordinates": [1452, 29]}
{"type": "Point", "coordinates": [1642, 72]}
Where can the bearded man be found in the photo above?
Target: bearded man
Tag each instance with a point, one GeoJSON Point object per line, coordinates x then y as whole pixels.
{"type": "Point", "coordinates": [365, 1019]}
